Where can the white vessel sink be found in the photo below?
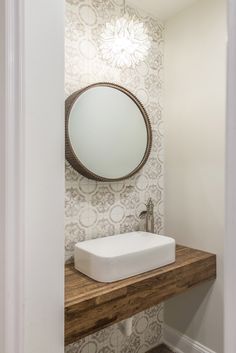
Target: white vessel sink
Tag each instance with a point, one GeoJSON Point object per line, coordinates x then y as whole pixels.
{"type": "Point", "coordinates": [120, 256]}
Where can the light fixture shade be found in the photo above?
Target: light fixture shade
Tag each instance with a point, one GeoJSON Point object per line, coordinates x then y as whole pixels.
{"type": "Point", "coordinates": [124, 42]}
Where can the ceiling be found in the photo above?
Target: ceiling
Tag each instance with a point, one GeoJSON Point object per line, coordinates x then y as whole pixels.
{"type": "Point", "coordinates": [162, 9]}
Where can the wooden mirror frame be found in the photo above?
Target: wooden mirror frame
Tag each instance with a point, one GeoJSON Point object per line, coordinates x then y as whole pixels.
{"type": "Point", "coordinates": [69, 152]}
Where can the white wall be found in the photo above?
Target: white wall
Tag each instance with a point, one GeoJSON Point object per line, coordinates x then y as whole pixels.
{"type": "Point", "coordinates": [195, 66]}
{"type": "Point", "coordinates": [44, 175]}
{"type": "Point", "coordinates": [32, 176]}
{"type": "Point", "coordinates": [230, 242]}
{"type": "Point", "coordinates": [2, 174]}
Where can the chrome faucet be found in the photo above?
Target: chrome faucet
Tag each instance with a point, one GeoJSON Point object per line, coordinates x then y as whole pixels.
{"type": "Point", "coordinates": [148, 215]}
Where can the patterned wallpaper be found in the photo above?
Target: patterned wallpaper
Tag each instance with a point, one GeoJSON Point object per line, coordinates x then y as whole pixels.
{"type": "Point", "coordinates": [147, 329]}
{"type": "Point", "coordinates": [94, 209]}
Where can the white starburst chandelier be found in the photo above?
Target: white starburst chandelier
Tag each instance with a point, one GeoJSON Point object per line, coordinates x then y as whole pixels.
{"type": "Point", "coordinates": [124, 41]}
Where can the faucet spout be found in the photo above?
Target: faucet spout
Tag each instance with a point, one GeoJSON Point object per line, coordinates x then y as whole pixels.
{"type": "Point", "coordinates": [149, 215]}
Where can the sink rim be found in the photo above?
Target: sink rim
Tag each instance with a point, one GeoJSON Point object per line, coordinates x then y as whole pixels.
{"type": "Point", "coordinates": [90, 252]}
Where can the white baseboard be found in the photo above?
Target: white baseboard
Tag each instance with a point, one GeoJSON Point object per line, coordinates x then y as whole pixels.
{"type": "Point", "coordinates": [180, 343]}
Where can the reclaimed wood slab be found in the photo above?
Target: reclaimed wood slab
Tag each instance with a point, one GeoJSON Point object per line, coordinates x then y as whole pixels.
{"type": "Point", "coordinates": [91, 305]}
{"type": "Point", "coordinates": [161, 349]}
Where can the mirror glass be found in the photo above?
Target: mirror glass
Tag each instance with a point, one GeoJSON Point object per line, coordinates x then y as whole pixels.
{"type": "Point", "coordinates": [108, 131]}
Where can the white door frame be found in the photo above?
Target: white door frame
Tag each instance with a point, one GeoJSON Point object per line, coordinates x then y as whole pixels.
{"type": "Point", "coordinates": [14, 244]}
{"type": "Point", "coordinates": [11, 202]}
{"type": "Point", "coordinates": [230, 241]}
{"type": "Point", "coordinates": [32, 176]}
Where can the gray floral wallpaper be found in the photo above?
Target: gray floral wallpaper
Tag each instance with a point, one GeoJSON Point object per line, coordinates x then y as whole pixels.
{"type": "Point", "coordinates": [147, 328]}
{"type": "Point", "coordinates": [95, 209]}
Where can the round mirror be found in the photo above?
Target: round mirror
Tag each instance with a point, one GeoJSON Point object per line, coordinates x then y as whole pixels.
{"type": "Point", "coordinates": [108, 133]}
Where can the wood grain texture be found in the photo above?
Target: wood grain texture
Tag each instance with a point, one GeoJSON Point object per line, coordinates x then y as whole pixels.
{"type": "Point", "coordinates": [160, 349]}
{"type": "Point", "coordinates": [91, 306]}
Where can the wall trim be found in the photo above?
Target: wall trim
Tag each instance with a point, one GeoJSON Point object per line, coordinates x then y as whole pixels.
{"type": "Point", "coordinates": [28, 322]}
{"type": "Point", "coordinates": [181, 343]}
{"type": "Point", "coordinates": [230, 239]}
{"type": "Point", "coordinates": [12, 187]}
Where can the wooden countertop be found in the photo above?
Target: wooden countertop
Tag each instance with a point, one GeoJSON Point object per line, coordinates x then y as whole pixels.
{"type": "Point", "coordinates": [91, 306]}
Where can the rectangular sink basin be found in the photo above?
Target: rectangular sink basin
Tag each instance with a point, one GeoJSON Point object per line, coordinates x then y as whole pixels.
{"type": "Point", "coordinates": [121, 256]}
